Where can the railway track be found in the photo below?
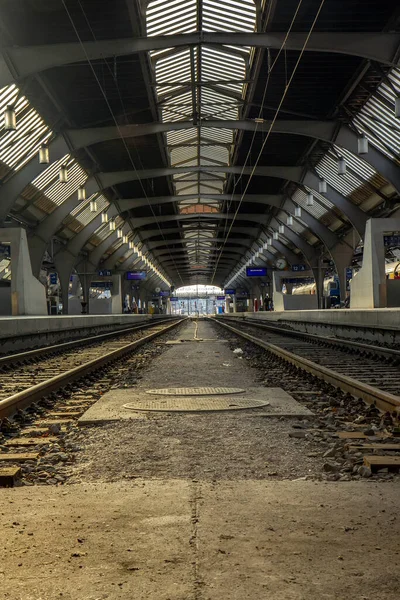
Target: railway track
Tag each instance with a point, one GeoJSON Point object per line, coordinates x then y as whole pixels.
{"type": "Point", "coordinates": [364, 371]}
{"type": "Point", "coordinates": [27, 377]}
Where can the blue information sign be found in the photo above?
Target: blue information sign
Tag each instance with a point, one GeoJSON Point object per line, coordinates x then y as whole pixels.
{"type": "Point", "coordinates": [391, 240]}
{"type": "Point", "coordinates": [53, 278]}
{"type": "Point", "coordinates": [174, 299]}
{"type": "Point", "coordinates": [104, 285]}
{"type": "Point", "coordinates": [230, 291]}
{"type": "Point", "coordinates": [220, 297]}
{"type": "Point", "coordinates": [256, 271]}
{"type": "Point", "coordinates": [164, 294]}
{"type": "Point", "coordinates": [135, 275]}
{"type": "Point", "coordinates": [296, 268]}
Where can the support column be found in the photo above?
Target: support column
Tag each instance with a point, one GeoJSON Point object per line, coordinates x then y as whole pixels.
{"type": "Point", "coordinates": [116, 295]}
{"type": "Point", "coordinates": [369, 288]}
{"type": "Point", "coordinates": [28, 295]}
{"type": "Point", "coordinates": [342, 256]}
{"type": "Point", "coordinates": [234, 303]}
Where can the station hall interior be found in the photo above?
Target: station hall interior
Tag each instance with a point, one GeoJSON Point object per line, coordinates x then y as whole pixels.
{"type": "Point", "coordinates": [199, 299]}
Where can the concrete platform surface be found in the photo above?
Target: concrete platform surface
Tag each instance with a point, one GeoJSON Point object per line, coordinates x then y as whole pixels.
{"type": "Point", "coordinates": [191, 540]}
{"type": "Point", "coordinates": [368, 317]}
{"type": "Point", "coordinates": [210, 363]}
{"type": "Point", "coordinates": [121, 404]}
{"type": "Point", "coordinates": [13, 326]}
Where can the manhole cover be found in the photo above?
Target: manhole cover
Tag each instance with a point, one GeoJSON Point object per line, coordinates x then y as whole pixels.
{"type": "Point", "coordinates": [194, 404]}
{"type": "Point", "coordinates": [195, 391]}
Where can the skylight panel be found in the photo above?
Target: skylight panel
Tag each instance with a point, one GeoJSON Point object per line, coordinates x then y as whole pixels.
{"type": "Point", "coordinates": [19, 146]}
{"type": "Point", "coordinates": [58, 192]}
{"type": "Point", "coordinates": [316, 210]}
{"type": "Point", "coordinates": [47, 176]}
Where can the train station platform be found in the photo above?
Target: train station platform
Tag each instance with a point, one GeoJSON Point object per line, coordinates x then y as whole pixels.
{"type": "Point", "coordinates": [201, 501]}
{"type": "Point", "coordinates": [380, 324]}
{"type": "Point", "coordinates": [19, 333]}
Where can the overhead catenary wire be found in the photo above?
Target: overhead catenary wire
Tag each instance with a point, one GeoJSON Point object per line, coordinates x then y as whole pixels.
{"type": "Point", "coordinates": [269, 130]}
{"type": "Point", "coordinates": [117, 126]}
{"type": "Point", "coordinates": [270, 69]}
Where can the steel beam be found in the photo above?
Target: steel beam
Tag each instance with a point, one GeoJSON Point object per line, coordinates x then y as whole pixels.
{"type": "Point", "coordinates": [327, 131]}
{"type": "Point", "coordinates": [19, 62]}
{"type": "Point", "coordinates": [231, 241]}
{"type": "Point", "coordinates": [134, 203]}
{"type": "Point", "coordinates": [12, 188]}
{"type": "Point", "coordinates": [155, 233]}
{"type": "Point", "coordinates": [47, 228]}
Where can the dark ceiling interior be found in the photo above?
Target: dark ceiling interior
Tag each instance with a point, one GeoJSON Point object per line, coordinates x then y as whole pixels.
{"type": "Point", "coordinates": [121, 90]}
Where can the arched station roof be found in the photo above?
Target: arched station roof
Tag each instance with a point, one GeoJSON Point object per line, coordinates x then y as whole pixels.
{"type": "Point", "coordinates": [200, 128]}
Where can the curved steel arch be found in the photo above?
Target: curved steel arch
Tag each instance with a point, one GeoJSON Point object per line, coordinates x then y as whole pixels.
{"type": "Point", "coordinates": [19, 62]}
{"type": "Point", "coordinates": [328, 131]}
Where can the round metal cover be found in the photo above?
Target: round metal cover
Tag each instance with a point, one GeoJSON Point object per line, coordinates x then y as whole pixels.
{"type": "Point", "coordinates": [195, 391]}
{"type": "Point", "coordinates": [199, 404]}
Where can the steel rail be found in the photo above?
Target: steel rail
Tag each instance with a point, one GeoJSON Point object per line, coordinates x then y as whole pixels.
{"type": "Point", "coordinates": [10, 359]}
{"type": "Point", "coordinates": [387, 353]}
{"type": "Point", "coordinates": [22, 399]}
{"type": "Point", "coordinates": [371, 395]}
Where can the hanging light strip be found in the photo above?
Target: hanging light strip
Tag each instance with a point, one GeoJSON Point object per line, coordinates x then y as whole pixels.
{"type": "Point", "coordinates": [10, 119]}
{"type": "Point", "coordinates": [362, 144]}
{"type": "Point", "coordinates": [82, 193]}
{"type": "Point", "coordinates": [44, 155]}
{"type": "Point", "coordinates": [341, 166]}
{"type": "Point", "coordinates": [63, 175]}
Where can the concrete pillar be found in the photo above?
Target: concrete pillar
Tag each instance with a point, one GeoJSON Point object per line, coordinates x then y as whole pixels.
{"type": "Point", "coordinates": [64, 285]}
{"type": "Point", "coordinates": [342, 256]}
{"type": "Point", "coordinates": [289, 288]}
{"type": "Point", "coordinates": [116, 295]}
{"type": "Point", "coordinates": [368, 289]}
{"type": "Point", "coordinates": [234, 303]}
{"type": "Point", "coordinates": [227, 305]}
{"type": "Point", "coordinates": [28, 295]}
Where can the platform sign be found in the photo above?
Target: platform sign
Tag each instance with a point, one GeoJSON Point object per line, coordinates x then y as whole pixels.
{"type": "Point", "coordinates": [136, 275]}
{"type": "Point", "coordinates": [256, 271]}
{"type": "Point", "coordinates": [164, 294]}
{"type": "Point", "coordinates": [230, 291]}
{"type": "Point", "coordinates": [391, 241]}
{"type": "Point", "coordinates": [349, 273]}
{"type": "Point", "coordinates": [104, 273]}
{"type": "Point", "coordinates": [104, 285]}
{"type": "Point", "coordinates": [174, 299]}
{"type": "Point", "coordinates": [297, 268]}
{"type": "Point", "coordinates": [53, 279]}
{"type": "Point", "coordinates": [220, 297]}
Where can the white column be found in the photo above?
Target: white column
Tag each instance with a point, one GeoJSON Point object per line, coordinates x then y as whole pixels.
{"type": "Point", "coordinates": [116, 295]}
{"type": "Point", "coordinates": [28, 295]}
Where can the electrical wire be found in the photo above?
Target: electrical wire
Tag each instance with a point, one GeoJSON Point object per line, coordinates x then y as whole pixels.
{"type": "Point", "coordinates": [117, 126]}
{"type": "Point", "coordinates": [270, 70]}
{"type": "Point", "coordinates": [270, 129]}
